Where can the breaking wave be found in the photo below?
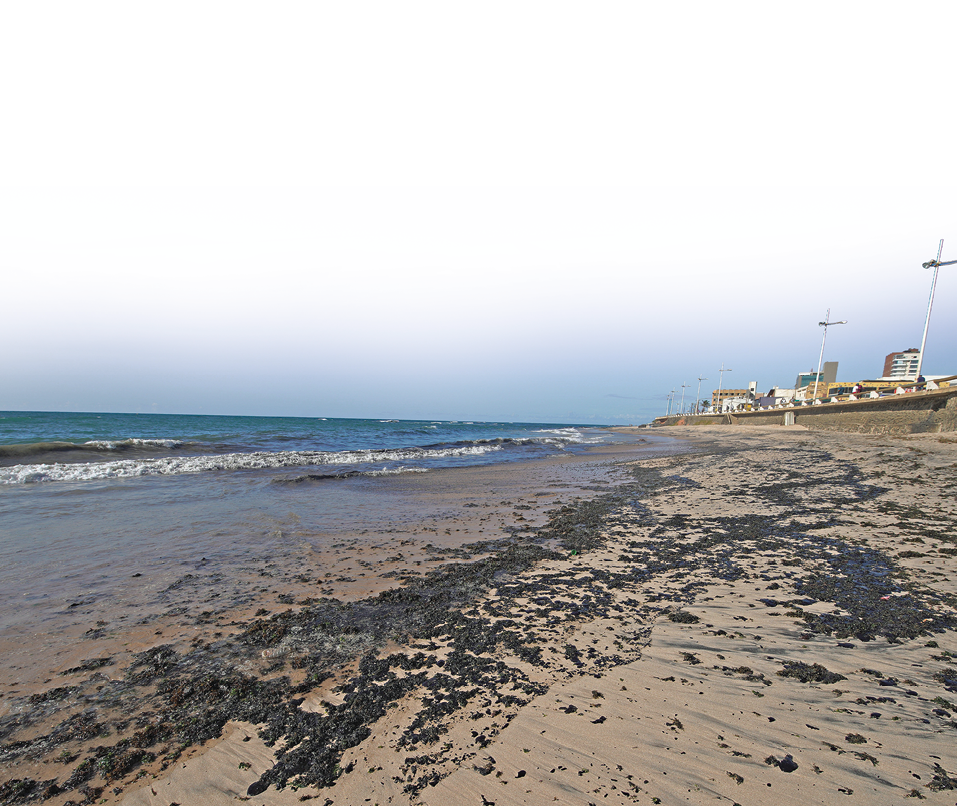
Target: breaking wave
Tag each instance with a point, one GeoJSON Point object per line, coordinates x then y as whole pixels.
{"type": "Point", "coordinates": [567, 435]}
{"type": "Point", "coordinates": [175, 465]}
{"type": "Point", "coordinates": [22, 451]}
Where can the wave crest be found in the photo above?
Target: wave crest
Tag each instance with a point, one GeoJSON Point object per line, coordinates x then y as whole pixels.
{"type": "Point", "coordinates": [175, 465]}
{"type": "Point", "coordinates": [26, 450]}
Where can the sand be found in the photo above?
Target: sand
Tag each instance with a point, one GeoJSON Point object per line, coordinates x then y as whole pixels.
{"type": "Point", "coordinates": [769, 619]}
{"type": "Point", "coordinates": [697, 717]}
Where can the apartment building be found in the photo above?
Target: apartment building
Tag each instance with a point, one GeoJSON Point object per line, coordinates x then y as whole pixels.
{"type": "Point", "coordinates": [902, 365]}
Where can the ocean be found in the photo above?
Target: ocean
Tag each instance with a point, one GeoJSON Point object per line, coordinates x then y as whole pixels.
{"type": "Point", "coordinates": [40, 447]}
{"type": "Point", "coordinates": [151, 519]}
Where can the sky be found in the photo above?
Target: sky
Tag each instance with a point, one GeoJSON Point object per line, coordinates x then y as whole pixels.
{"type": "Point", "coordinates": [541, 212]}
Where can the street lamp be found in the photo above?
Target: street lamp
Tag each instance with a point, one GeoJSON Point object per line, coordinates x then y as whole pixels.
{"type": "Point", "coordinates": [825, 326]}
{"type": "Point", "coordinates": [932, 264]}
{"type": "Point", "coordinates": [683, 387]}
{"type": "Point", "coordinates": [721, 372]}
{"type": "Point", "coordinates": [697, 400]}
{"type": "Point", "coordinates": [670, 401]}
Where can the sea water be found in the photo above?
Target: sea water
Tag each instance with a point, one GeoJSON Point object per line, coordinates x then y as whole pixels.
{"type": "Point", "coordinates": [63, 447]}
{"type": "Point", "coordinates": [103, 512]}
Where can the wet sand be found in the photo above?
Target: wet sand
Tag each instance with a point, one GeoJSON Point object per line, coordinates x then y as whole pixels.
{"type": "Point", "coordinates": [409, 524]}
{"type": "Point", "coordinates": [65, 664]}
{"type": "Point", "coordinates": [769, 617]}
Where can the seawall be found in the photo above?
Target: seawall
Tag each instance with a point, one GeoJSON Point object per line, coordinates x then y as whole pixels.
{"type": "Point", "coordinates": [912, 413]}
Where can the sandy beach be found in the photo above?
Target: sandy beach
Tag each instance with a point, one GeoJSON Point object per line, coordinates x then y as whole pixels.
{"type": "Point", "coordinates": [767, 618]}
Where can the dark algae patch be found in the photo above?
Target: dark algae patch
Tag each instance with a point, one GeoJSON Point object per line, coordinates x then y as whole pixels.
{"type": "Point", "coordinates": [810, 673]}
{"type": "Point", "coordinates": [863, 582]}
{"type": "Point", "coordinates": [941, 780]}
{"type": "Point", "coordinates": [786, 764]}
{"type": "Point", "coordinates": [168, 701]}
{"type": "Point", "coordinates": [466, 638]}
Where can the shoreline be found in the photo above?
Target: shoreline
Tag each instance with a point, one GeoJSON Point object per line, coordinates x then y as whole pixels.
{"type": "Point", "coordinates": [433, 516]}
{"type": "Point", "coordinates": [580, 655]}
{"type": "Point", "coordinates": [446, 516]}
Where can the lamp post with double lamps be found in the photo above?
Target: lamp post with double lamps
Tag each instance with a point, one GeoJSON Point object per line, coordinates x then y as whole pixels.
{"type": "Point", "coordinates": [697, 400]}
{"type": "Point", "coordinates": [932, 264]}
{"type": "Point", "coordinates": [721, 373]}
{"type": "Point", "coordinates": [821, 355]}
{"type": "Point", "coordinates": [683, 387]}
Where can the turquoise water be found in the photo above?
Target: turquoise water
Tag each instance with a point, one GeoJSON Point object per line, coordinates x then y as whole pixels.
{"type": "Point", "coordinates": [123, 530]}
{"type": "Point", "coordinates": [109, 508]}
{"type": "Point", "coordinates": [38, 447]}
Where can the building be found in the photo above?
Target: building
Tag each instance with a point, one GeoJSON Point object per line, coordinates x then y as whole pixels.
{"type": "Point", "coordinates": [829, 370]}
{"type": "Point", "coordinates": [812, 390]}
{"type": "Point", "coordinates": [776, 396]}
{"type": "Point", "coordinates": [726, 394]}
{"type": "Point", "coordinates": [902, 365]}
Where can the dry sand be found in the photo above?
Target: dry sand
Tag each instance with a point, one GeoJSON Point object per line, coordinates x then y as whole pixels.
{"type": "Point", "coordinates": [663, 653]}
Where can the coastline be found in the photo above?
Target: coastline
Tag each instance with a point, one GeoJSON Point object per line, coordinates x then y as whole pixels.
{"type": "Point", "coordinates": [393, 528]}
{"type": "Point", "coordinates": [66, 671]}
{"type": "Point", "coordinates": [648, 661]}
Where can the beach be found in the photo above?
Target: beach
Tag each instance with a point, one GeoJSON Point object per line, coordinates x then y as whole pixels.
{"type": "Point", "coordinates": [765, 615]}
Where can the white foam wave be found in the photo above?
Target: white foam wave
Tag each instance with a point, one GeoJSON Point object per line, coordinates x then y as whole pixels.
{"type": "Point", "coordinates": [559, 435]}
{"type": "Point", "coordinates": [112, 445]}
{"type": "Point", "coordinates": [175, 465]}
{"type": "Point", "coordinates": [395, 471]}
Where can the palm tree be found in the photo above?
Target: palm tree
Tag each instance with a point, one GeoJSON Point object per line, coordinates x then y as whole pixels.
{"type": "Point", "coordinates": [705, 404]}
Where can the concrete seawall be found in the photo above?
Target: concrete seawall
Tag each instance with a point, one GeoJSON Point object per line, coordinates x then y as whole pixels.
{"type": "Point", "coordinates": [912, 413]}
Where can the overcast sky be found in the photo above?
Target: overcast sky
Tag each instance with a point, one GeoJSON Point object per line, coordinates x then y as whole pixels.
{"type": "Point", "coordinates": [503, 211]}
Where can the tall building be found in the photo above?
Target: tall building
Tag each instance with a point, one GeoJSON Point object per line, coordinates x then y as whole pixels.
{"type": "Point", "coordinates": [902, 365]}
{"type": "Point", "coordinates": [830, 369]}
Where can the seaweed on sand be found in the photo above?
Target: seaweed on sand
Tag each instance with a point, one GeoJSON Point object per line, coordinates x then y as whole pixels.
{"type": "Point", "coordinates": [184, 700]}
{"type": "Point", "coordinates": [810, 673]}
{"type": "Point", "coordinates": [170, 701]}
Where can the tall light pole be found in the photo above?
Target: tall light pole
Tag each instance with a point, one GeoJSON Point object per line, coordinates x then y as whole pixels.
{"type": "Point", "coordinates": [722, 371]}
{"type": "Point", "coordinates": [825, 326]}
{"type": "Point", "coordinates": [670, 401]}
{"type": "Point", "coordinates": [697, 400]}
{"type": "Point", "coordinates": [932, 264]}
{"type": "Point", "coordinates": [683, 387]}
